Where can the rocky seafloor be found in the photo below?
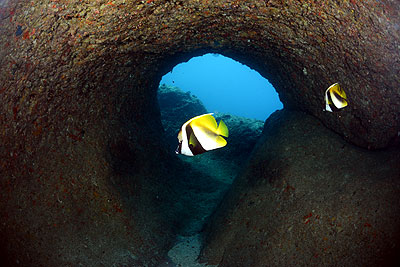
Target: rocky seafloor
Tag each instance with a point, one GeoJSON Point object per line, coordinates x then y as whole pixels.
{"type": "Point", "coordinates": [211, 173]}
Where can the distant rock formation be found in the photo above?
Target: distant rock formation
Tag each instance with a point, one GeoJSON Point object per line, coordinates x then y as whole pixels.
{"type": "Point", "coordinates": [177, 107]}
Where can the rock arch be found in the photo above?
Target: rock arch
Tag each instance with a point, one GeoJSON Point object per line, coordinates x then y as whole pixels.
{"type": "Point", "coordinates": [78, 113]}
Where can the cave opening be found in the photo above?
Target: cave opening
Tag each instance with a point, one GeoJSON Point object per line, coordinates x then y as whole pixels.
{"type": "Point", "coordinates": [237, 95]}
{"type": "Point", "coordinates": [225, 85]}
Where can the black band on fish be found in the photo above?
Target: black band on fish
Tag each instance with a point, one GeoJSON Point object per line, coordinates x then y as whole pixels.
{"type": "Point", "coordinates": [338, 97]}
{"type": "Point", "coordinates": [195, 147]}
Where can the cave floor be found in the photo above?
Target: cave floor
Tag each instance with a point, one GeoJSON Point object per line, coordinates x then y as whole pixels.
{"type": "Point", "coordinates": [218, 175]}
{"type": "Point", "coordinates": [220, 170]}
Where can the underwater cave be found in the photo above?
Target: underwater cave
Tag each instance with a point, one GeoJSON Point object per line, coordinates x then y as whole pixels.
{"type": "Point", "coordinates": [233, 92]}
{"type": "Point", "coordinates": [87, 179]}
{"type": "Point", "coordinates": [228, 89]}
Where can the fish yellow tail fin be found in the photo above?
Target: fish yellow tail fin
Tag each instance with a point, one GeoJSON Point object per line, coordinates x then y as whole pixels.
{"type": "Point", "coordinates": [222, 129]}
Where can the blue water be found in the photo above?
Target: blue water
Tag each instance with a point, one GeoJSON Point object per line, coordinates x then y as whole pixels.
{"type": "Point", "coordinates": [225, 85]}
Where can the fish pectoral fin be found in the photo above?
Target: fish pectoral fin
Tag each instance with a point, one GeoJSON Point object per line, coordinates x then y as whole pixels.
{"type": "Point", "coordinates": [193, 141]}
{"type": "Point", "coordinates": [222, 129]}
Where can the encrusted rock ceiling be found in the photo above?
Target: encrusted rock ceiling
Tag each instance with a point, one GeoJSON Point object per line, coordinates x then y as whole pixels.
{"type": "Point", "coordinates": [78, 81]}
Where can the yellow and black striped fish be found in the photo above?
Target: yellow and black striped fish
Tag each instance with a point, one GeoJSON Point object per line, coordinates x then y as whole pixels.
{"type": "Point", "coordinates": [201, 134]}
{"type": "Point", "coordinates": [335, 98]}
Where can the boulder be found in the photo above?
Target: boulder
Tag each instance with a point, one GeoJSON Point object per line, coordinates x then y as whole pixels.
{"type": "Point", "coordinates": [308, 198]}
{"type": "Point", "coordinates": [176, 108]}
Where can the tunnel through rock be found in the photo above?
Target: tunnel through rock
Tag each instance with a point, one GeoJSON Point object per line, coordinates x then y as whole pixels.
{"type": "Point", "coordinates": [215, 168]}
{"type": "Point", "coordinates": [226, 83]}
{"type": "Point", "coordinates": [203, 179]}
{"type": "Point", "coordinates": [82, 166]}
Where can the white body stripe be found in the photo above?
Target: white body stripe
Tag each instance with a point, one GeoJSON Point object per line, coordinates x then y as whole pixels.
{"type": "Point", "coordinates": [207, 139]}
{"type": "Point", "coordinates": [327, 107]}
{"type": "Point", "coordinates": [336, 101]}
{"type": "Point", "coordinates": [185, 150]}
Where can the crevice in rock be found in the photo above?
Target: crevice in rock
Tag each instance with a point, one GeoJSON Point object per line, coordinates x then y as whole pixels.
{"type": "Point", "coordinates": [203, 179]}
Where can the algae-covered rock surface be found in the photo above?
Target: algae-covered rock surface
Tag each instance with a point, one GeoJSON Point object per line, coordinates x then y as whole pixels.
{"type": "Point", "coordinates": [85, 177]}
{"type": "Point", "coordinates": [308, 198]}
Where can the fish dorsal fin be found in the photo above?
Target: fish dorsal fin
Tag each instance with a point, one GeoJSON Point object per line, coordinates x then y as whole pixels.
{"type": "Point", "coordinates": [206, 121]}
{"type": "Point", "coordinates": [222, 129]}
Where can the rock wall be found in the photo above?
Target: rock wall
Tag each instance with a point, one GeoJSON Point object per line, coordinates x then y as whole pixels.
{"type": "Point", "coordinates": [84, 176]}
{"type": "Point", "coordinates": [308, 198]}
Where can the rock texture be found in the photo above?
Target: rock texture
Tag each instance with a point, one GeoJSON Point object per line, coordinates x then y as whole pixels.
{"type": "Point", "coordinates": [308, 198]}
{"type": "Point", "coordinates": [176, 108]}
{"type": "Point", "coordinates": [79, 122]}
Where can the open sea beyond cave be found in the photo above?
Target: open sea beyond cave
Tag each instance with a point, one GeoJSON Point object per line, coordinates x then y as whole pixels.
{"type": "Point", "coordinates": [225, 85]}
